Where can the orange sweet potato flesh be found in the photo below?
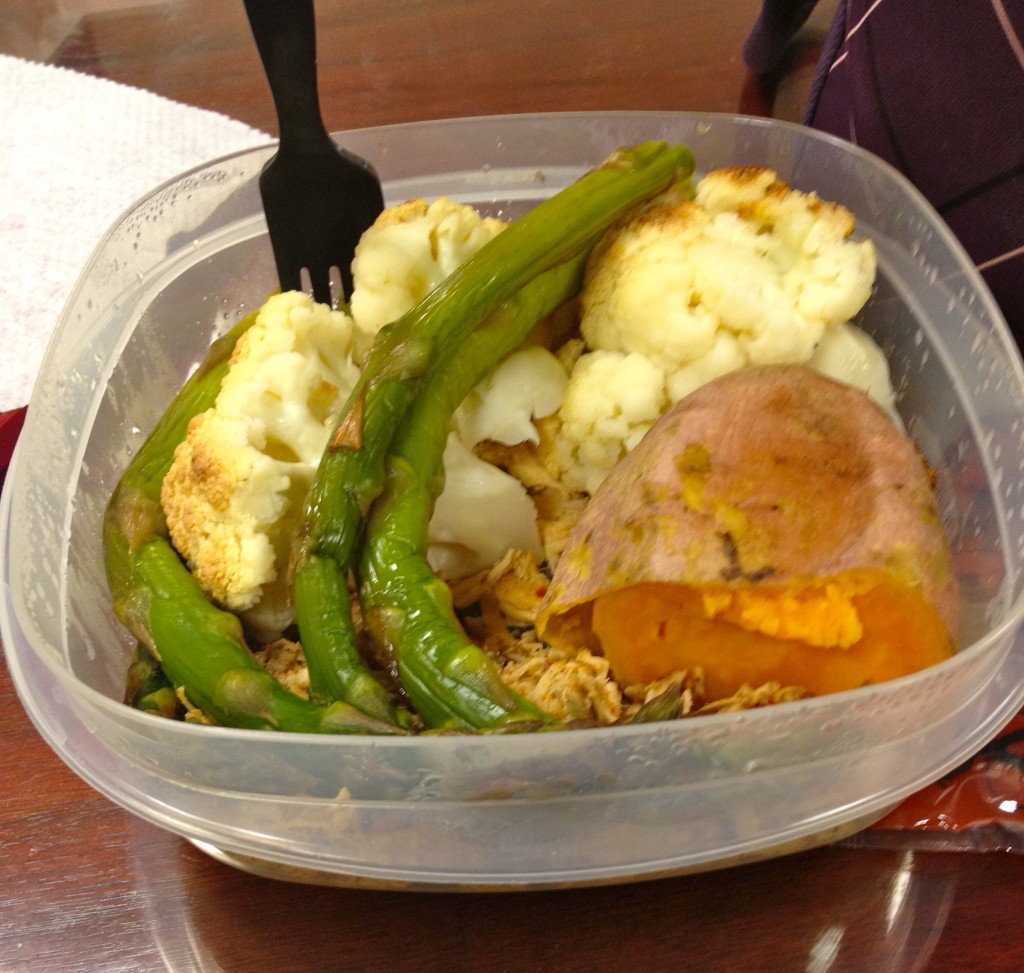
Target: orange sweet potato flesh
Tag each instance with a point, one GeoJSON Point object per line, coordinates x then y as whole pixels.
{"type": "Point", "coordinates": [775, 525]}
{"type": "Point", "coordinates": [647, 629]}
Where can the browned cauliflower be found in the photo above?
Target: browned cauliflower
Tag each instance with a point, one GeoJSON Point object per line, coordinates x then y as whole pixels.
{"type": "Point", "coordinates": [238, 482]}
{"type": "Point", "coordinates": [235, 488]}
{"type": "Point", "coordinates": [407, 252]}
{"type": "Point", "coordinates": [748, 272]}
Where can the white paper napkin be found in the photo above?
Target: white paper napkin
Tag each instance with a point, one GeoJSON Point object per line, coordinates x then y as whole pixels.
{"type": "Point", "coordinates": [75, 152]}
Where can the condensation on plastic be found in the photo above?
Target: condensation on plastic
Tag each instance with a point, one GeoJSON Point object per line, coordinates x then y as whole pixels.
{"type": "Point", "coordinates": [531, 810]}
{"type": "Point", "coordinates": [976, 806]}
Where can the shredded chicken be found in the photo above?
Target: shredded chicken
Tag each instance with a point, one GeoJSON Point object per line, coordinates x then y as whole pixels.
{"type": "Point", "coordinates": [688, 684]}
{"type": "Point", "coordinates": [567, 687]}
{"type": "Point", "coordinates": [558, 506]}
{"type": "Point", "coordinates": [748, 697]}
{"type": "Point", "coordinates": [498, 608]}
{"type": "Point", "coordinates": [284, 660]}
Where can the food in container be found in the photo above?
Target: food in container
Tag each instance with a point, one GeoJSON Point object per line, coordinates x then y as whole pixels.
{"type": "Point", "coordinates": [530, 810]}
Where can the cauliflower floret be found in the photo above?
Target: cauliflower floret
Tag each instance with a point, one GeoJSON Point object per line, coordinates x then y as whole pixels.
{"type": "Point", "coordinates": [724, 355]}
{"type": "Point", "coordinates": [237, 481]}
{"type": "Point", "coordinates": [748, 272]}
{"type": "Point", "coordinates": [407, 252]}
{"type": "Point", "coordinates": [612, 399]}
{"type": "Point", "coordinates": [848, 354]}
{"type": "Point", "coordinates": [529, 384]}
{"type": "Point", "coordinates": [827, 275]}
{"type": "Point", "coordinates": [638, 294]}
{"type": "Point", "coordinates": [482, 511]}
{"type": "Point", "coordinates": [480, 515]}
{"type": "Point", "coordinates": [770, 265]}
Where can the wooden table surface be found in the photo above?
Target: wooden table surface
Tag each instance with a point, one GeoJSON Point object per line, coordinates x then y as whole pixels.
{"type": "Point", "coordinates": [84, 886]}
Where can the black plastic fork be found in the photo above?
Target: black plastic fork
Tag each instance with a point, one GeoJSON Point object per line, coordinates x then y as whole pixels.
{"type": "Point", "coordinates": [318, 198]}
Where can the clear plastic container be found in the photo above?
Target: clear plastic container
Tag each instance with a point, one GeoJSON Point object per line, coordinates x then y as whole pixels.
{"type": "Point", "coordinates": [545, 810]}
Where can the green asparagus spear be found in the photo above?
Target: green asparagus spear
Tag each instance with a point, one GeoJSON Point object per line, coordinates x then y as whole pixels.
{"type": "Point", "coordinates": [452, 683]}
{"type": "Point", "coordinates": [202, 649]}
{"type": "Point", "coordinates": [199, 647]}
{"type": "Point", "coordinates": [134, 509]}
{"type": "Point", "coordinates": [351, 474]}
{"type": "Point", "coordinates": [148, 688]}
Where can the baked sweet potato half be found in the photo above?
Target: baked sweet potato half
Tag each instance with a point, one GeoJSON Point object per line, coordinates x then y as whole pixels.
{"type": "Point", "coordinates": [775, 525]}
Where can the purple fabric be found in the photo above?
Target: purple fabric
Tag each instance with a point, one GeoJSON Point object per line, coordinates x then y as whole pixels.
{"type": "Point", "coordinates": [936, 88]}
{"type": "Point", "coordinates": [773, 30]}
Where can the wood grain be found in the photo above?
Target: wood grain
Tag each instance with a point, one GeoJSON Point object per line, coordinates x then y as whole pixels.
{"type": "Point", "coordinates": [385, 61]}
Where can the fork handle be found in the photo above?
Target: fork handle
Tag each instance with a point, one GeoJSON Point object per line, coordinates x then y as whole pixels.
{"type": "Point", "coordinates": [285, 35]}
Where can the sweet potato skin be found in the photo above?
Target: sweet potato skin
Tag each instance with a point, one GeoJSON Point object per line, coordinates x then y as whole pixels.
{"type": "Point", "coordinates": [770, 475]}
